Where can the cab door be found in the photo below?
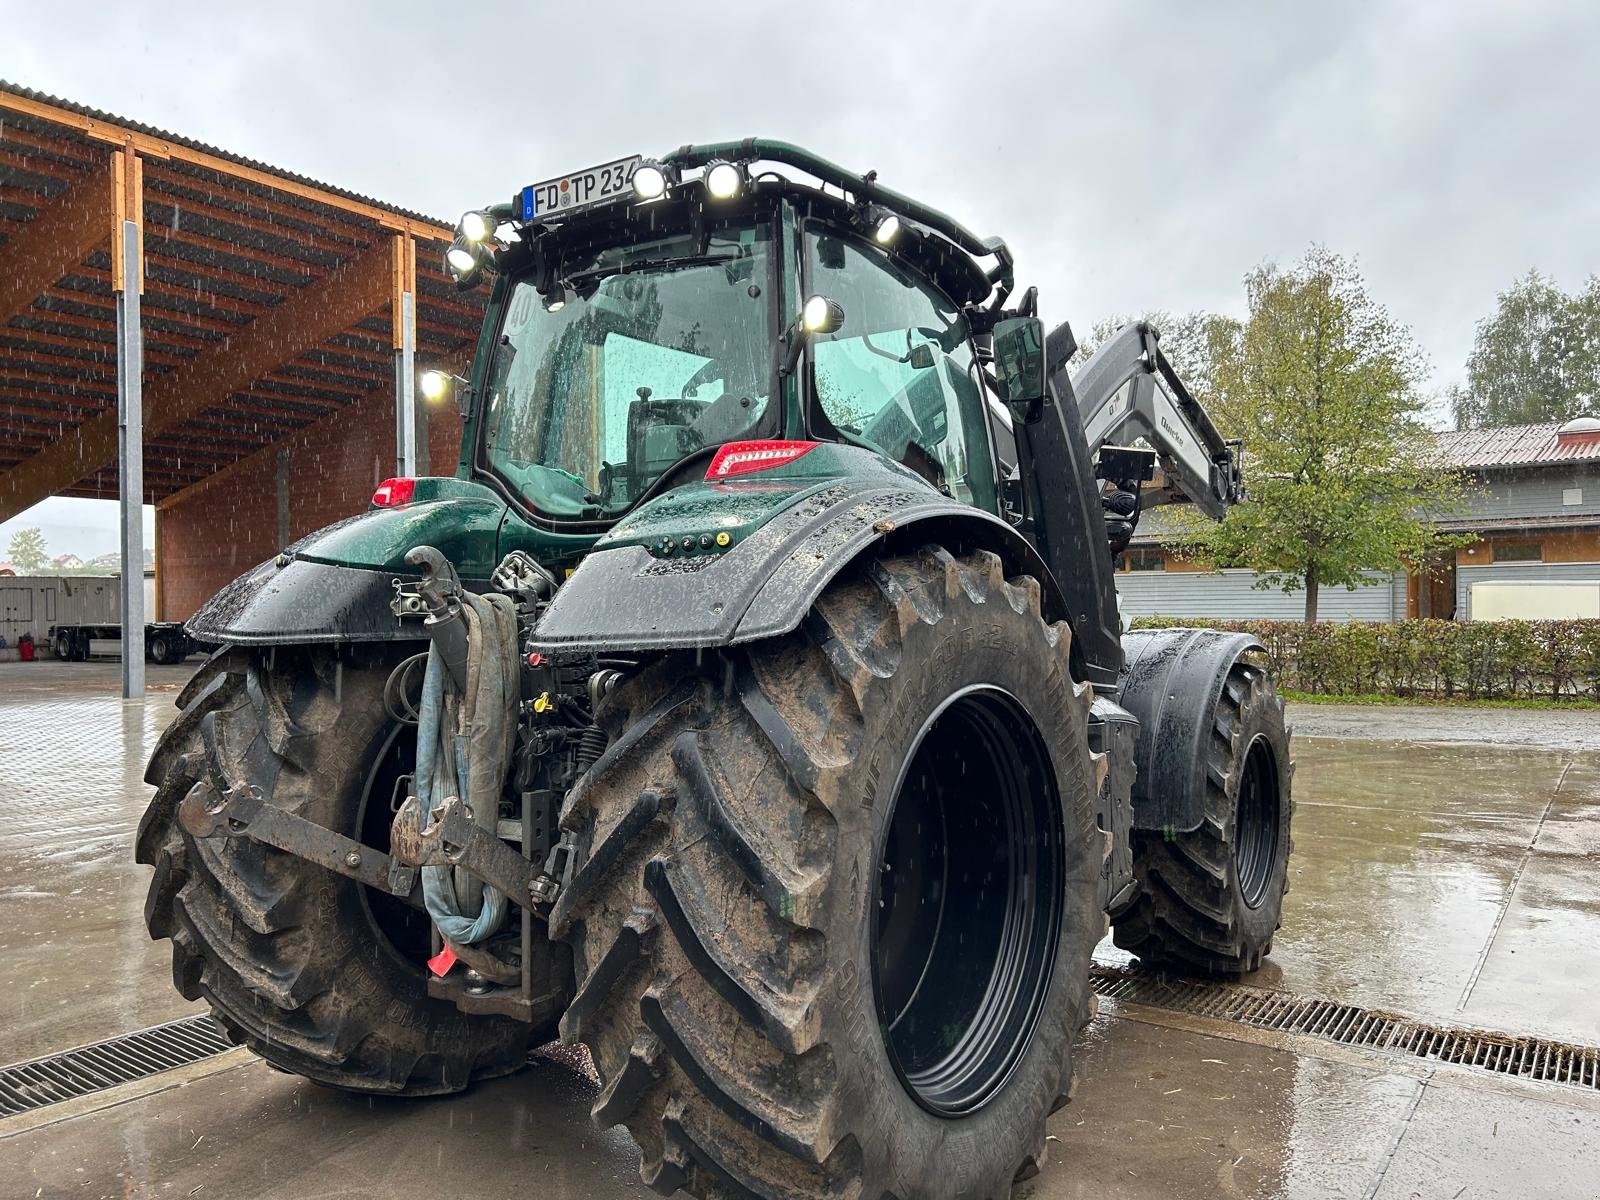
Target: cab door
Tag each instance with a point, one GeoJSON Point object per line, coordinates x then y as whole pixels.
{"type": "Point", "coordinates": [899, 375]}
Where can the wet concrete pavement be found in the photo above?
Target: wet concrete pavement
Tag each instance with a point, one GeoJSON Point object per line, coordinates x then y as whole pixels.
{"type": "Point", "coordinates": [78, 965]}
{"type": "Point", "coordinates": [1551, 729]}
{"type": "Point", "coordinates": [1454, 882]}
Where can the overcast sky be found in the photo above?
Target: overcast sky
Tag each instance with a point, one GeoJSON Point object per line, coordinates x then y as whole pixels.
{"type": "Point", "coordinates": [1134, 155]}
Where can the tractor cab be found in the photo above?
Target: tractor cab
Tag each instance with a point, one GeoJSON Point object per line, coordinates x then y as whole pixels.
{"type": "Point", "coordinates": [633, 335]}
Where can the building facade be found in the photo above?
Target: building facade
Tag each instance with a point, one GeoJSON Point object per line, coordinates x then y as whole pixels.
{"type": "Point", "coordinates": [1533, 511]}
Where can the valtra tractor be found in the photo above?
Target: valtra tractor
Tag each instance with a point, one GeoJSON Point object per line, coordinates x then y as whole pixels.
{"type": "Point", "coordinates": [751, 706]}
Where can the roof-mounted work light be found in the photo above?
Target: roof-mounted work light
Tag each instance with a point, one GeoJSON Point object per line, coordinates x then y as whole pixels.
{"type": "Point", "coordinates": [724, 180]}
{"type": "Point", "coordinates": [650, 180]}
{"type": "Point", "coordinates": [465, 260]}
{"type": "Point", "coordinates": [476, 227]}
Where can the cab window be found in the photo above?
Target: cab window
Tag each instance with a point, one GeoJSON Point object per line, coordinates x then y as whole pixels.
{"type": "Point", "coordinates": [898, 375]}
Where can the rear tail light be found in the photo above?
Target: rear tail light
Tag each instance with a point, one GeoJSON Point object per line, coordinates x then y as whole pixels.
{"type": "Point", "coordinates": [744, 458]}
{"type": "Point", "coordinates": [394, 492]}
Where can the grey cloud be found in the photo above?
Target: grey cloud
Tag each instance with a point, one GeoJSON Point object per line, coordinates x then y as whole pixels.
{"type": "Point", "coordinates": [1135, 155]}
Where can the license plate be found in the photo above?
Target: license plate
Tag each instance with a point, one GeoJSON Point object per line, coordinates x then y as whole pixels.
{"type": "Point", "coordinates": [580, 189]}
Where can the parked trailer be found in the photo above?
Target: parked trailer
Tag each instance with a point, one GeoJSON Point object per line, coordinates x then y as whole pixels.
{"type": "Point", "coordinates": [31, 604]}
{"type": "Point", "coordinates": [165, 642]}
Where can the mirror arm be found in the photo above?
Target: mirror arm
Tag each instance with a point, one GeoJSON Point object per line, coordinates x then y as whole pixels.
{"type": "Point", "coordinates": [791, 343]}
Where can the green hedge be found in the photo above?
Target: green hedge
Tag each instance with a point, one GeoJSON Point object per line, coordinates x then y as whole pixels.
{"type": "Point", "coordinates": [1484, 660]}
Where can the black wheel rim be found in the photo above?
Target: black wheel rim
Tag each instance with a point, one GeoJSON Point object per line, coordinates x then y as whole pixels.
{"type": "Point", "coordinates": [406, 930]}
{"type": "Point", "coordinates": [968, 898]}
{"type": "Point", "coordinates": [1255, 841]}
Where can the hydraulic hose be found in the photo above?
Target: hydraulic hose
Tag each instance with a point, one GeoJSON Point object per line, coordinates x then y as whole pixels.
{"type": "Point", "coordinates": [464, 741]}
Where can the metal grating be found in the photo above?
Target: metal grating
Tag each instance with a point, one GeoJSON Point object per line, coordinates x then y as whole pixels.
{"type": "Point", "coordinates": [72, 1073]}
{"type": "Point", "coordinates": [1352, 1025]}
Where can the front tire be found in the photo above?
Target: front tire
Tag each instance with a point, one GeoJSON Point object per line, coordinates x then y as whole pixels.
{"type": "Point", "coordinates": [1210, 901]}
{"type": "Point", "coordinates": [766, 1016]}
{"type": "Point", "coordinates": [313, 972]}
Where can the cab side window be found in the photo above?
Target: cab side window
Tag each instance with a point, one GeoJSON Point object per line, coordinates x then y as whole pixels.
{"type": "Point", "coordinates": [898, 375]}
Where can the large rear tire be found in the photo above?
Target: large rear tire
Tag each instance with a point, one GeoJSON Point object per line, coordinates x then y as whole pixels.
{"type": "Point", "coordinates": [767, 1014]}
{"type": "Point", "coordinates": [1210, 901]}
{"type": "Point", "coordinates": [315, 973]}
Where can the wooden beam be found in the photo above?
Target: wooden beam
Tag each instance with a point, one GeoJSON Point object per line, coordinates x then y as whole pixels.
{"type": "Point", "coordinates": [45, 168]}
{"type": "Point", "coordinates": [220, 301]}
{"type": "Point", "coordinates": [24, 197]}
{"type": "Point", "coordinates": [154, 147]}
{"type": "Point", "coordinates": [162, 256]}
{"type": "Point", "coordinates": [267, 258]}
{"type": "Point", "coordinates": [317, 224]}
{"type": "Point", "coordinates": [102, 325]}
{"type": "Point", "coordinates": [14, 135]}
{"type": "Point", "coordinates": [60, 237]}
{"type": "Point", "coordinates": [47, 343]}
{"type": "Point", "coordinates": [127, 191]}
{"type": "Point", "coordinates": [303, 322]}
{"type": "Point", "coordinates": [252, 224]}
{"type": "Point", "coordinates": [69, 411]}
{"type": "Point", "coordinates": [53, 385]}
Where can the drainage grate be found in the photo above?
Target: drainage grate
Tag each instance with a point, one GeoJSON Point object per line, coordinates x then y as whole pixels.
{"type": "Point", "coordinates": [72, 1073]}
{"type": "Point", "coordinates": [1504, 1054]}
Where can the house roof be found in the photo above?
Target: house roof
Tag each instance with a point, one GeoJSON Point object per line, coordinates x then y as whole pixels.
{"type": "Point", "coordinates": [1517, 445]}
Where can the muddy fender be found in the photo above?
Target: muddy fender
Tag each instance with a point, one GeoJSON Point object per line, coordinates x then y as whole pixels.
{"type": "Point", "coordinates": [1171, 683]}
{"type": "Point", "coordinates": [628, 598]}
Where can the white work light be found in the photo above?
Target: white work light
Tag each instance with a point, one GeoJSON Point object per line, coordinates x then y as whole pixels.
{"type": "Point", "coordinates": [724, 181]}
{"type": "Point", "coordinates": [461, 261]}
{"type": "Point", "coordinates": [476, 227]}
{"type": "Point", "coordinates": [821, 315]}
{"type": "Point", "coordinates": [649, 181]}
{"type": "Point", "coordinates": [886, 230]}
{"type": "Point", "coordinates": [434, 386]}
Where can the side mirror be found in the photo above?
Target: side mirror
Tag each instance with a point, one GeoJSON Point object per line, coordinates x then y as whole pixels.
{"type": "Point", "coordinates": [1019, 363]}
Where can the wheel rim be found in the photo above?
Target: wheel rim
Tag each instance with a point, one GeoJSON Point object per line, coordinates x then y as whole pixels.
{"type": "Point", "coordinates": [1255, 842]}
{"type": "Point", "coordinates": [407, 931]}
{"type": "Point", "coordinates": [968, 897]}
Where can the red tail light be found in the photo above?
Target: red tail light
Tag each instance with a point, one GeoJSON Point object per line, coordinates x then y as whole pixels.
{"type": "Point", "coordinates": [744, 458]}
{"type": "Point", "coordinates": [393, 492]}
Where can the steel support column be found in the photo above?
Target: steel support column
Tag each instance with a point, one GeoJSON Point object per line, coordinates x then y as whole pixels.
{"type": "Point", "coordinates": [130, 458]}
{"type": "Point", "coordinates": [405, 356]}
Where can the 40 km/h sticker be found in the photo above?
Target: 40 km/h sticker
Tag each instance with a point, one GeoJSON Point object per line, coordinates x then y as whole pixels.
{"type": "Point", "coordinates": [579, 190]}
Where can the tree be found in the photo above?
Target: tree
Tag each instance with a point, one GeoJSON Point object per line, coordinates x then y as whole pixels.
{"type": "Point", "coordinates": [1323, 386]}
{"type": "Point", "coordinates": [1536, 359]}
{"type": "Point", "coordinates": [27, 551]}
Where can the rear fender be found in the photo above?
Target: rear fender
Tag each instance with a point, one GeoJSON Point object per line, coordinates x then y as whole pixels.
{"type": "Point", "coordinates": [1173, 679]}
{"type": "Point", "coordinates": [628, 598]}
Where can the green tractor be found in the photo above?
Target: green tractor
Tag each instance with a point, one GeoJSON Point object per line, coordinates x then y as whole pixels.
{"type": "Point", "coordinates": [751, 706]}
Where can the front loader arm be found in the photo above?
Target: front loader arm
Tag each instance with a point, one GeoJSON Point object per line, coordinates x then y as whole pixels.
{"type": "Point", "coordinates": [1127, 389]}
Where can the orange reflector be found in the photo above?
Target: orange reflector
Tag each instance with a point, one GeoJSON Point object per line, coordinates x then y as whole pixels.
{"type": "Point", "coordinates": [743, 458]}
{"type": "Point", "coordinates": [393, 492]}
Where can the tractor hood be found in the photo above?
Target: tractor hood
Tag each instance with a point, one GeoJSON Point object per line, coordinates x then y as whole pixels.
{"type": "Point", "coordinates": [458, 517]}
{"type": "Point", "coordinates": [335, 584]}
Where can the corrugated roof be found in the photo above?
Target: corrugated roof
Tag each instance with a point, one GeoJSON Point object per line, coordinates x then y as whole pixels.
{"type": "Point", "coordinates": [95, 114]}
{"type": "Point", "coordinates": [1515, 446]}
